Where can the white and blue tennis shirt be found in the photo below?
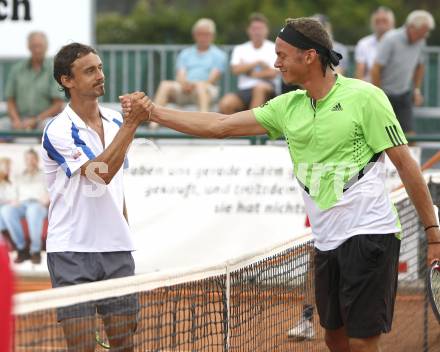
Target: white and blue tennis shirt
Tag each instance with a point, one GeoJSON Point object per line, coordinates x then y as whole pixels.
{"type": "Point", "coordinates": [84, 216]}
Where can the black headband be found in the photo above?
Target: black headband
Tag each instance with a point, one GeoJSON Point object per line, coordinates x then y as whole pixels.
{"type": "Point", "coordinates": [299, 40]}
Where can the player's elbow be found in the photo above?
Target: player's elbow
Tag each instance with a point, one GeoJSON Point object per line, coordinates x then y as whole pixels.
{"type": "Point", "coordinates": [220, 128]}
{"type": "Point", "coordinates": [103, 179]}
{"type": "Point", "coordinates": [97, 171]}
{"type": "Point", "coordinates": [218, 132]}
{"type": "Point", "coordinates": [107, 180]}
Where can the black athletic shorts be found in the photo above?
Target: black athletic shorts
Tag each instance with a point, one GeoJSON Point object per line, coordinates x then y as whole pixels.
{"type": "Point", "coordinates": [72, 268]}
{"type": "Point", "coordinates": [403, 108]}
{"type": "Point", "coordinates": [355, 284]}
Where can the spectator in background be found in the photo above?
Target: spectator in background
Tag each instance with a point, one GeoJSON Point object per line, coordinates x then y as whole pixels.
{"type": "Point", "coordinates": [382, 20]}
{"type": "Point", "coordinates": [31, 203]}
{"type": "Point", "coordinates": [31, 92]}
{"type": "Point", "coordinates": [7, 191]}
{"type": "Point", "coordinates": [338, 47]}
{"type": "Point", "coordinates": [198, 70]}
{"type": "Point", "coordinates": [399, 68]}
{"type": "Point", "coordinates": [253, 63]}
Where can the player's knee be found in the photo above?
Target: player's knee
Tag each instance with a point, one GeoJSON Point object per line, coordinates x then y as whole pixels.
{"type": "Point", "coordinates": [370, 344]}
{"type": "Point", "coordinates": [81, 344]}
{"type": "Point", "coordinates": [122, 343]}
{"type": "Point", "coordinates": [337, 341]}
{"type": "Point", "coordinates": [331, 342]}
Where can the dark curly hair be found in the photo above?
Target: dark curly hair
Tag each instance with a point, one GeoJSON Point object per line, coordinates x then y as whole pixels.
{"type": "Point", "coordinates": [62, 65]}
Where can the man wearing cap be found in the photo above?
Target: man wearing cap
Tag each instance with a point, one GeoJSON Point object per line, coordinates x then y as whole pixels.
{"type": "Point", "coordinates": [338, 131]}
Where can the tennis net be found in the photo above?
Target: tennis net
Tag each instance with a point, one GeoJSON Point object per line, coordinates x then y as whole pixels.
{"type": "Point", "coordinates": [247, 304]}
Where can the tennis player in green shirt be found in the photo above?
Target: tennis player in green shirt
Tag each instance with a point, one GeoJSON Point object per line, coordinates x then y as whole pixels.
{"type": "Point", "coordinates": [338, 131]}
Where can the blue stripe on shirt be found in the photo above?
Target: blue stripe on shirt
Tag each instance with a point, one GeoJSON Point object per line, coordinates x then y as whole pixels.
{"type": "Point", "coordinates": [54, 154]}
{"type": "Point", "coordinates": [80, 143]}
{"type": "Point", "coordinates": [116, 121]}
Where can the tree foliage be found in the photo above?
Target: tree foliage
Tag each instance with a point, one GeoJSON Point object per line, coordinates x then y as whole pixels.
{"type": "Point", "coordinates": [170, 21]}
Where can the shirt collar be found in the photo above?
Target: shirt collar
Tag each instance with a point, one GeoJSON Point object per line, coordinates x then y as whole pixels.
{"type": "Point", "coordinates": [337, 83]}
{"type": "Point", "coordinates": [78, 121]}
{"type": "Point", "coordinates": [103, 114]}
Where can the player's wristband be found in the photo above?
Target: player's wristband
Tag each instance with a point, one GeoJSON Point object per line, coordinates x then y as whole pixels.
{"type": "Point", "coordinates": [430, 227]}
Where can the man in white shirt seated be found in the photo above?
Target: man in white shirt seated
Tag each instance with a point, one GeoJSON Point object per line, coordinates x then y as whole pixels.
{"type": "Point", "coordinates": [31, 204]}
{"type": "Point", "coordinates": [253, 63]}
{"type": "Point", "coordinates": [382, 20]}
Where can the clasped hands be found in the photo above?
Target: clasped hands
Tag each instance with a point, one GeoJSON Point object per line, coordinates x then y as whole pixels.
{"type": "Point", "coordinates": [136, 107]}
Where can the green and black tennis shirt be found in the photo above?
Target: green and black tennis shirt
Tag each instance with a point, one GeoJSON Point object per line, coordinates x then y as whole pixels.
{"type": "Point", "coordinates": [337, 148]}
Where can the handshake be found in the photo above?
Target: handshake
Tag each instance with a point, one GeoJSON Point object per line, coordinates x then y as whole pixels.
{"type": "Point", "coordinates": [137, 108]}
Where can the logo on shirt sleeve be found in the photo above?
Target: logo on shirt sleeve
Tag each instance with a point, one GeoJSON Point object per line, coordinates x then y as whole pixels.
{"type": "Point", "coordinates": [76, 153]}
{"type": "Point", "coordinates": [393, 135]}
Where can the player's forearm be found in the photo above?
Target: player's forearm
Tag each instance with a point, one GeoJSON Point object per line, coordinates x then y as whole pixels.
{"type": "Point", "coordinates": [200, 124]}
{"type": "Point", "coordinates": [105, 166]}
{"type": "Point", "coordinates": [418, 192]}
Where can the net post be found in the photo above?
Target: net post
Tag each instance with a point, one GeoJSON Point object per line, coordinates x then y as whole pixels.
{"type": "Point", "coordinates": [228, 306]}
{"type": "Point", "coordinates": [193, 324]}
{"type": "Point", "coordinates": [174, 321]}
